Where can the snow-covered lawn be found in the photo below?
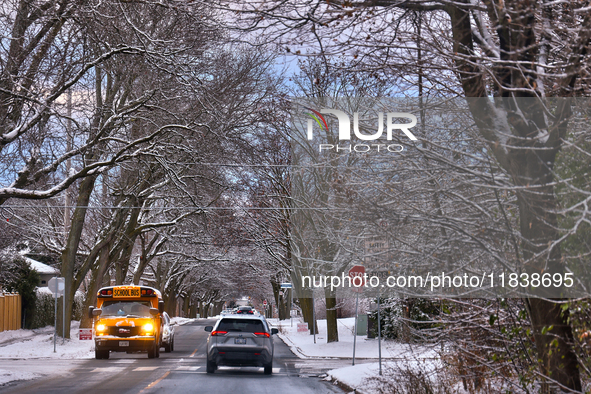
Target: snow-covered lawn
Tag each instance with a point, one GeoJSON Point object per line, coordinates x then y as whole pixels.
{"type": "Point", "coordinates": [302, 343]}
{"type": "Point", "coordinates": [39, 344]}
{"type": "Point", "coordinates": [395, 355]}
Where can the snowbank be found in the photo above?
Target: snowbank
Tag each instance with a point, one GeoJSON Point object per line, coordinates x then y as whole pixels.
{"type": "Point", "coordinates": [181, 321]}
{"type": "Point", "coordinates": [358, 377]}
{"type": "Point", "coordinates": [39, 344]}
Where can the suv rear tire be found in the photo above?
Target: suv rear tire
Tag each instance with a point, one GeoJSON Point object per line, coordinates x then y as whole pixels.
{"type": "Point", "coordinates": [269, 369]}
{"type": "Point", "coordinates": [211, 367]}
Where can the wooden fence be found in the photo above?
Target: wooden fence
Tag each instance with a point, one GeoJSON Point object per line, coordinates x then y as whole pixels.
{"type": "Point", "coordinates": [10, 311]}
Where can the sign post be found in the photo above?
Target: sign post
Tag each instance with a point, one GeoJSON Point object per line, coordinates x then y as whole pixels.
{"type": "Point", "coordinates": [357, 279]}
{"type": "Point", "coordinates": [379, 337]}
{"type": "Point", "coordinates": [57, 286]}
{"type": "Point", "coordinates": [290, 287]}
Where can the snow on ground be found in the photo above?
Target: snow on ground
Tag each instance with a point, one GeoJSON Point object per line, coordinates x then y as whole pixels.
{"type": "Point", "coordinates": [302, 343]}
{"type": "Point", "coordinates": [395, 355]}
{"type": "Point", "coordinates": [7, 376]}
{"type": "Point", "coordinates": [355, 376]}
{"type": "Point", "coordinates": [39, 344]}
{"type": "Point", "coordinates": [181, 321]}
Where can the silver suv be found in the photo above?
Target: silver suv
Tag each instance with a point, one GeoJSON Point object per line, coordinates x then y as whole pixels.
{"type": "Point", "coordinates": [240, 340]}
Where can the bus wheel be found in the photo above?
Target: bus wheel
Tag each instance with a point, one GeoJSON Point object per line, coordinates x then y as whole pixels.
{"type": "Point", "coordinates": [101, 354]}
{"type": "Point", "coordinates": [152, 350]}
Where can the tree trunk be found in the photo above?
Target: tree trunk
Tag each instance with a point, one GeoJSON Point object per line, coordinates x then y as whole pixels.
{"type": "Point", "coordinates": [552, 332]}
{"type": "Point", "coordinates": [332, 332]}
{"type": "Point", "coordinates": [68, 257]}
{"type": "Point", "coordinates": [307, 304]}
{"type": "Point", "coordinates": [122, 262]}
{"type": "Point", "coordinates": [95, 284]}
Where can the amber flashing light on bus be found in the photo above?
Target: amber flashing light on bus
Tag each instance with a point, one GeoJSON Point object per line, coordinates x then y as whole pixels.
{"type": "Point", "coordinates": [148, 292]}
{"type": "Point", "coordinates": [106, 293]}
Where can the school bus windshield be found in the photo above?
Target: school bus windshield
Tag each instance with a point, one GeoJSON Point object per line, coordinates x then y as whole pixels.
{"type": "Point", "coordinates": [126, 308]}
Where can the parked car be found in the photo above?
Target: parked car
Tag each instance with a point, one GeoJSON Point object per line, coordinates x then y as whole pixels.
{"type": "Point", "coordinates": [167, 333]}
{"type": "Point", "coordinates": [240, 340]}
{"type": "Point", "coordinates": [245, 310]}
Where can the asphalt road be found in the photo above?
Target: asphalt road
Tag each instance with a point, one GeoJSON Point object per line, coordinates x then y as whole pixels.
{"type": "Point", "coordinates": [181, 371]}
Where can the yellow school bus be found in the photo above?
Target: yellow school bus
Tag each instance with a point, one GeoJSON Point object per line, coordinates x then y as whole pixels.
{"type": "Point", "coordinates": [127, 319]}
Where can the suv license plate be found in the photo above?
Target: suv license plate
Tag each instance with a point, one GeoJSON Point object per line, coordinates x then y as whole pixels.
{"type": "Point", "coordinates": [240, 341]}
{"type": "Point", "coordinates": [123, 343]}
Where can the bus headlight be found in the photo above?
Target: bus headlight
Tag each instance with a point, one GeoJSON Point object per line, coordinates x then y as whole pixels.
{"type": "Point", "coordinates": [148, 328]}
{"type": "Point", "coordinates": [100, 329]}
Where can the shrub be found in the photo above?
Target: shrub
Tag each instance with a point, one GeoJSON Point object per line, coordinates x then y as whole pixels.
{"type": "Point", "coordinates": [45, 308]}
{"type": "Point", "coordinates": [16, 275]}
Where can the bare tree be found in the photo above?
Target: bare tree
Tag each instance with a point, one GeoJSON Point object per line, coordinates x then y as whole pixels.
{"type": "Point", "coordinates": [512, 50]}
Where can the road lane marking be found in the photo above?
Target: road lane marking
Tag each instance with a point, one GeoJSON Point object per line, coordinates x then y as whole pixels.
{"type": "Point", "coordinates": [186, 368]}
{"type": "Point", "coordinates": [154, 383]}
{"type": "Point", "coordinates": [106, 369]}
{"type": "Point", "coordinates": [138, 369]}
{"type": "Point", "coordinates": [193, 354]}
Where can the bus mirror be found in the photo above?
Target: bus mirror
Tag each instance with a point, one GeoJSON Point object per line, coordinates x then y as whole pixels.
{"type": "Point", "coordinates": [97, 312]}
{"type": "Point", "coordinates": [90, 309]}
{"type": "Point", "coordinates": [160, 306]}
{"type": "Point", "coordinates": [154, 311]}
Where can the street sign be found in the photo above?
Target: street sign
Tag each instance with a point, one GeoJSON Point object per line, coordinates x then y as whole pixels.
{"type": "Point", "coordinates": [265, 302]}
{"type": "Point", "coordinates": [356, 274]}
{"type": "Point", "coordinates": [56, 286]}
{"type": "Point", "coordinates": [286, 285]}
{"type": "Point", "coordinates": [85, 334]}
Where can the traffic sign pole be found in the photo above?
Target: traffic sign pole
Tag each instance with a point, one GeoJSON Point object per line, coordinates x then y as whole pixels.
{"type": "Point", "coordinates": [379, 336]}
{"type": "Point", "coordinates": [54, 322]}
{"type": "Point", "coordinates": [57, 287]}
{"type": "Point", "coordinates": [64, 318]}
{"type": "Point", "coordinates": [357, 271]}
{"type": "Point", "coordinates": [355, 329]}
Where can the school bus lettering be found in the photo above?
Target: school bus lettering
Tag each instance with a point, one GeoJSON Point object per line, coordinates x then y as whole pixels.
{"type": "Point", "coordinates": [126, 292]}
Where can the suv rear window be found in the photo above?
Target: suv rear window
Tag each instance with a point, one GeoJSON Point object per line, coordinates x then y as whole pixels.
{"type": "Point", "coordinates": [243, 325]}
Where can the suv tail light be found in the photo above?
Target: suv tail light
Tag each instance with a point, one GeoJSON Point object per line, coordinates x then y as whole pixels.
{"type": "Point", "coordinates": [214, 333]}
{"type": "Point", "coordinates": [262, 334]}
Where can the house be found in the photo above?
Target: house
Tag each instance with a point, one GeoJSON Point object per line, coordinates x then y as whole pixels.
{"type": "Point", "coordinates": [45, 271]}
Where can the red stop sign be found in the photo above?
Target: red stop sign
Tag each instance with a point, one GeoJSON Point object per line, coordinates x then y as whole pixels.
{"type": "Point", "coordinates": [357, 275]}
